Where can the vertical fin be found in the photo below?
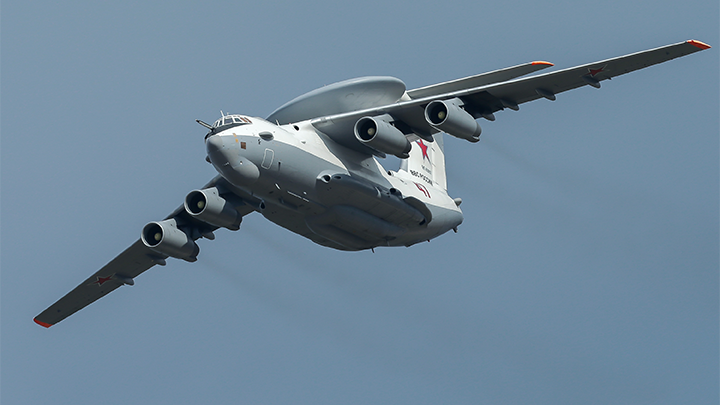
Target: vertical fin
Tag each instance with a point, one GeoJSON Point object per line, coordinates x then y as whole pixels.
{"type": "Point", "coordinates": [427, 161]}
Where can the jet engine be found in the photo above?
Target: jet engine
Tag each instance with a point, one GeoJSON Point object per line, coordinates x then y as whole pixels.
{"type": "Point", "coordinates": [448, 116]}
{"type": "Point", "coordinates": [379, 134]}
{"type": "Point", "coordinates": [166, 238]}
{"type": "Point", "coordinates": [207, 206]}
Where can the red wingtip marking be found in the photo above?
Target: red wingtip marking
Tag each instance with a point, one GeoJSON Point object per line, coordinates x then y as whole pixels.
{"type": "Point", "coordinates": [41, 323]}
{"type": "Point", "coordinates": [540, 62]}
{"type": "Point", "coordinates": [699, 44]}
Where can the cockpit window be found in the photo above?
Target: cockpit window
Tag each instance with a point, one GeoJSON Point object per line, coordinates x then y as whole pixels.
{"type": "Point", "coordinates": [229, 121]}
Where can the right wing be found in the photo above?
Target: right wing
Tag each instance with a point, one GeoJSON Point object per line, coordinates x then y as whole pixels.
{"type": "Point", "coordinates": [120, 271]}
{"type": "Point", "coordinates": [129, 264]}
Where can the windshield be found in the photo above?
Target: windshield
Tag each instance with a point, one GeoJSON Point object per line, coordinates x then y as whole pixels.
{"type": "Point", "coordinates": [227, 122]}
{"type": "Point", "coordinates": [231, 120]}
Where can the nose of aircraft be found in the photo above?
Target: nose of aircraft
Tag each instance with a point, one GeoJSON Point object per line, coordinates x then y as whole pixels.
{"type": "Point", "coordinates": [224, 153]}
{"type": "Point", "coordinates": [215, 145]}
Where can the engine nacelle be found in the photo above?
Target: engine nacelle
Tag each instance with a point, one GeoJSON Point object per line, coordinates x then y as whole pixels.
{"type": "Point", "coordinates": [207, 206]}
{"type": "Point", "coordinates": [381, 135]}
{"type": "Point", "coordinates": [165, 237]}
{"type": "Point", "coordinates": [448, 116]}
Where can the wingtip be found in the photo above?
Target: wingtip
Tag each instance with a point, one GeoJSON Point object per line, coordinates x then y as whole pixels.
{"type": "Point", "coordinates": [542, 62]}
{"type": "Point", "coordinates": [41, 323]}
{"type": "Point", "coordinates": [699, 44]}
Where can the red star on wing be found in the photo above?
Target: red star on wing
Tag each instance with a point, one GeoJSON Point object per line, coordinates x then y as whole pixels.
{"type": "Point", "coordinates": [594, 72]}
{"type": "Point", "coordinates": [424, 149]}
{"type": "Point", "coordinates": [102, 280]}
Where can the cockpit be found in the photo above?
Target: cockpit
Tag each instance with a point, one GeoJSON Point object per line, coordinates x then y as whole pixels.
{"type": "Point", "coordinates": [225, 122]}
{"type": "Point", "coordinates": [229, 121]}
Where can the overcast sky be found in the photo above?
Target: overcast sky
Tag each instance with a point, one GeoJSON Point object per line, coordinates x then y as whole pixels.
{"type": "Point", "coordinates": [586, 270]}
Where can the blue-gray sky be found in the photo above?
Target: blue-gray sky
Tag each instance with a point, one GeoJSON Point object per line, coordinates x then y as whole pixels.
{"type": "Point", "coordinates": [586, 270]}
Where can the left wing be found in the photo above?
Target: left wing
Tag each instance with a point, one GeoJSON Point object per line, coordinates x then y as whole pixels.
{"type": "Point", "coordinates": [483, 101]}
{"type": "Point", "coordinates": [129, 264]}
{"type": "Point", "coordinates": [374, 91]}
{"type": "Point", "coordinates": [483, 79]}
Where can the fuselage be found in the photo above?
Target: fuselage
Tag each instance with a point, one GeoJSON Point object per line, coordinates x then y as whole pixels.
{"type": "Point", "coordinates": [332, 195]}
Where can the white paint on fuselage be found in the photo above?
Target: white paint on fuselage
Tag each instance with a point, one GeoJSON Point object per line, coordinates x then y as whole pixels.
{"type": "Point", "coordinates": [302, 154]}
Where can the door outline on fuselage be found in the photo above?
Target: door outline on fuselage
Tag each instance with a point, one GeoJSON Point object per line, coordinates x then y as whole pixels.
{"type": "Point", "coordinates": [267, 158]}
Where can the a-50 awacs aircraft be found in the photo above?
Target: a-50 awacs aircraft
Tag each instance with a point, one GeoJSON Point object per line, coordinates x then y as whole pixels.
{"type": "Point", "coordinates": [311, 166]}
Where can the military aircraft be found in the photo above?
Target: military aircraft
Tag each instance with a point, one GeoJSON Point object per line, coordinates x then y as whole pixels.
{"type": "Point", "coordinates": [311, 166]}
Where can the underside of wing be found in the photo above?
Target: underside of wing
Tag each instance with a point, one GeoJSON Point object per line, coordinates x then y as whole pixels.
{"type": "Point", "coordinates": [139, 257]}
{"type": "Point", "coordinates": [510, 94]}
{"type": "Point", "coordinates": [350, 96]}
{"type": "Point", "coordinates": [454, 112]}
{"type": "Point", "coordinates": [120, 271]}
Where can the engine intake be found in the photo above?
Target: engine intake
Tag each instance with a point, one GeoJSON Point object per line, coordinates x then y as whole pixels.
{"type": "Point", "coordinates": [448, 116]}
{"type": "Point", "coordinates": [381, 135]}
{"type": "Point", "coordinates": [166, 238]}
{"type": "Point", "coordinates": [208, 206]}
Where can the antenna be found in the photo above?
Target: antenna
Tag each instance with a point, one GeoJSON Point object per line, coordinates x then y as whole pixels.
{"type": "Point", "coordinates": [206, 125]}
{"type": "Point", "coordinates": [222, 114]}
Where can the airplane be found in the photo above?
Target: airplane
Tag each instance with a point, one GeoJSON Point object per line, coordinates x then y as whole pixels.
{"type": "Point", "coordinates": [312, 165]}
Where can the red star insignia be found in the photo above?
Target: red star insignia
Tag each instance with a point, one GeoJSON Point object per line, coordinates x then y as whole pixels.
{"type": "Point", "coordinates": [424, 149]}
{"type": "Point", "coordinates": [594, 72]}
{"type": "Point", "coordinates": [102, 280]}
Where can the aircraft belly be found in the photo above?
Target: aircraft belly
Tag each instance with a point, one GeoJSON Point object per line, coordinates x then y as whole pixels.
{"type": "Point", "coordinates": [351, 214]}
{"type": "Point", "coordinates": [339, 227]}
{"type": "Point", "coordinates": [295, 222]}
{"type": "Point", "coordinates": [337, 206]}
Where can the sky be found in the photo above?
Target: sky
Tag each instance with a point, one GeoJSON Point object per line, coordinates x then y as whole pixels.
{"type": "Point", "coordinates": [586, 269]}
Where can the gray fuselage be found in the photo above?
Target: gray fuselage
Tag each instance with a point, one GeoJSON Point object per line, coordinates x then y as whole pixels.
{"type": "Point", "coordinates": [335, 196]}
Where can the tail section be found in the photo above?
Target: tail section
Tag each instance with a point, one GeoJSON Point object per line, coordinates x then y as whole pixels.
{"type": "Point", "coordinates": [427, 162]}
